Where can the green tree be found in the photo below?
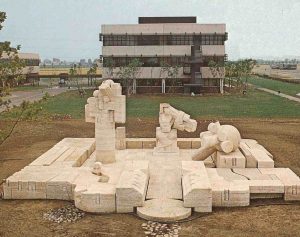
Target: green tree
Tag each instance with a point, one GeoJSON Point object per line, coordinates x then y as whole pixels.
{"type": "Point", "coordinates": [10, 65]}
{"type": "Point", "coordinates": [129, 73]}
{"type": "Point", "coordinates": [170, 73]}
{"type": "Point", "coordinates": [92, 74]}
{"type": "Point", "coordinates": [238, 70]}
{"type": "Point", "coordinates": [74, 73]}
{"type": "Point", "coordinates": [217, 71]}
{"type": "Point", "coordinates": [110, 65]}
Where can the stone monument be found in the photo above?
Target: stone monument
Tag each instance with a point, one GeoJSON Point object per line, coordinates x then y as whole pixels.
{"type": "Point", "coordinates": [105, 108]}
{"type": "Point", "coordinates": [161, 179]}
{"type": "Point", "coordinates": [225, 138]}
{"type": "Point", "coordinates": [171, 120]}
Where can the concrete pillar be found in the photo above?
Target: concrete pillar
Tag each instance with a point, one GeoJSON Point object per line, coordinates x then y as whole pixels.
{"type": "Point", "coordinates": [163, 86]}
{"type": "Point", "coordinates": [134, 86]}
{"type": "Point", "coordinates": [222, 85]}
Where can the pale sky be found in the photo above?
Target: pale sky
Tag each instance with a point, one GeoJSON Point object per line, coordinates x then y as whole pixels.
{"type": "Point", "coordinates": [69, 29]}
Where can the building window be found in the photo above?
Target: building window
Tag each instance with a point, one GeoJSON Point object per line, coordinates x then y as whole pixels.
{"type": "Point", "coordinates": [148, 61]}
{"type": "Point", "coordinates": [132, 40]}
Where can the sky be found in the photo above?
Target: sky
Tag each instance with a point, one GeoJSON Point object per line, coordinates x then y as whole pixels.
{"type": "Point", "coordinates": [69, 29]}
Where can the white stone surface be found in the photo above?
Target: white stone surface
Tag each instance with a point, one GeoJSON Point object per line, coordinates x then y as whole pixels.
{"type": "Point", "coordinates": [120, 138]}
{"type": "Point", "coordinates": [223, 138]}
{"type": "Point", "coordinates": [105, 108]}
{"type": "Point", "coordinates": [163, 210]}
{"type": "Point", "coordinates": [234, 159]}
{"type": "Point", "coordinates": [165, 178]}
{"type": "Point", "coordinates": [289, 179]}
{"type": "Point", "coordinates": [196, 188]}
{"type": "Point", "coordinates": [171, 119]}
{"type": "Point", "coordinates": [131, 190]}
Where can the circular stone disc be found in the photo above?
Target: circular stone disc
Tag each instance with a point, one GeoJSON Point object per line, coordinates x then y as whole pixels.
{"type": "Point", "coordinates": [163, 210]}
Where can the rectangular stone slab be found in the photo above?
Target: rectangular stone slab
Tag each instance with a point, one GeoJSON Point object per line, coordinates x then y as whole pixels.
{"type": "Point", "coordinates": [131, 190]}
{"type": "Point", "coordinates": [289, 179]}
{"type": "Point", "coordinates": [165, 178]}
{"type": "Point", "coordinates": [196, 187]}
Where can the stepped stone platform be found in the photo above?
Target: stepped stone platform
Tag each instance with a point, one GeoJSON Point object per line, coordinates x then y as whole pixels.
{"type": "Point", "coordinates": [159, 188]}
{"type": "Point", "coordinates": [162, 179]}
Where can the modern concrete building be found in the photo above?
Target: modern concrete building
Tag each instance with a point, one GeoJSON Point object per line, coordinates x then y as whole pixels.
{"type": "Point", "coordinates": [32, 62]}
{"type": "Point", "coordinates": [171, 41]}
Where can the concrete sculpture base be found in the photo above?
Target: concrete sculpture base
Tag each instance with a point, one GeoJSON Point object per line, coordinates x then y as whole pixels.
{"type": "Point", "coordinates": [139, 181]}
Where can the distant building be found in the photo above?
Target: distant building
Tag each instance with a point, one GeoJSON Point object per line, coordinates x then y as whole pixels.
{"type": "Point", "coordinates": [32, 62]}
{"type": "Point", "coordinates": [82, 62]}
{"type": "Point", "coordinates": [56, 61]}
{"type": "Point", "coordinates": [158, 41]}
{"type": "Point", "coordinates": [47, 62]}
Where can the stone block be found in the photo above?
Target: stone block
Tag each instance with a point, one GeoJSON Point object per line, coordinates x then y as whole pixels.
{"type": "Point", "coordinates": [261, 158]}
{"type": "Point", "coordinates": [184, 143]}
{"type": "Point", "coordinates": [228, 193]}
{"type": "Point", "coordinates": [50, 156]}
{"type": "Point", "coordinates": [142, 165]}
{"type": "Point", "coordinates": [234, 159]}
{"type": "Point", "coordinates": [106, 156]}
{"type": "Point", "coordinates": [196, 143]}
{"type": "Point", "coordinates": [191, 166]}
{"type": "Point", "coordinates": [166, 142]}
{"type": "Point", "coordinates": [253, 144]}
{"type": "Point", "coordinates": [134, 143]}
{"type": "Point", "coordinates": [266, 186]}
{"type": "Point", "coordinates": [289, 179]}
{"type": "Point", "coordinates": [253, 174]}
{"type": "Point", "coordinates": [149, 143]}
{"type": "Point", "coordinates": [228, 175]}
{"type": "Point", "coordinates": [197, 191]}
{"type": "Point", "coordinates": [120, 138]}
{"type": "Point", "coordinates": [209, 162]}
{"type": "Point", "coordinates": [62, 186]}
{"type": "Point", "coordinates": [131, 190]}
{"type": "Point", "coordinates": [96, 197]}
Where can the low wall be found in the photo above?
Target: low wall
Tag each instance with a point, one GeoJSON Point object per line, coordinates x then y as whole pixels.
{"type": "Point", "coordinates": [150, 143]}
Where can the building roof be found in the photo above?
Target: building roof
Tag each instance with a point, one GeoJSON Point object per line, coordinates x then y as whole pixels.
{"type": "Point", "coordinates": [29, 56]}
{"type": "Point", "coordinates": [24, 56]}
{"type": "Point", "coordinates": [173, 19]}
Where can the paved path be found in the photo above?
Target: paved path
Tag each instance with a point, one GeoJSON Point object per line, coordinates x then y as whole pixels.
{"type": "Point", "coordinates": [17, 97]}
{"type": "Point", "coordinates": [280, 94]}
{"type": "Point", "coordinates": [165, 178]}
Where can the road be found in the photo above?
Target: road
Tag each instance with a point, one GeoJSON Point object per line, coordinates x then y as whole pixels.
{"type": "Point", "coordinates": [280, 94]}
{"type": "Point", "coordinates": [17, 97]}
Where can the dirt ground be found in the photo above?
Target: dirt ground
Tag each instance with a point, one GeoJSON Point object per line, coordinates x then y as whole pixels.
{"type": "Point", "coordinates": [31, 139]}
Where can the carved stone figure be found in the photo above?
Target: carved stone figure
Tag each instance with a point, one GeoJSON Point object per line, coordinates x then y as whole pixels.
{"type": "Point", "coordinates": [105, 108]}
{"type": "Point", "coordinates": [171, 120]}
{"type": "Point", "coordinates": [225, 138]}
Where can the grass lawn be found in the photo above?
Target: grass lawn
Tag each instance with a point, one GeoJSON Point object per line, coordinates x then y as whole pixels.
{"type": "Point", "coordinates": [284, 87]}
{"type": "Point", "coordinates": [254, 104]}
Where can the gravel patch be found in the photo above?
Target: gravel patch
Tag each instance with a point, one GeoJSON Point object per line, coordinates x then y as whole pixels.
{"type": "Point", "coordinates": [63, 215]}
{"type": "Point", "coordinates": [157, 229]}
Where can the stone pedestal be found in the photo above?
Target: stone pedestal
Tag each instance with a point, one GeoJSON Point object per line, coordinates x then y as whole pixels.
{"type": "Point", "coordinates": [166, 142]}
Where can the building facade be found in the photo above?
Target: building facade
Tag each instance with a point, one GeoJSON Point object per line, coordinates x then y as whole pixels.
{"type": "Point", "coordinates": [175, 54]}
{"type": "Point", "coordinates": [31, 61]}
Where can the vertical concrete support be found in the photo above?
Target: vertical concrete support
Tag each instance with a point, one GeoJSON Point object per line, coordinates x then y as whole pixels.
{"type": "Point", "coordinates": [134, 86]}
{"type": "Point", "coordinates": [221, 85]}
{"type": "Point", "coordinates": [163, 86]}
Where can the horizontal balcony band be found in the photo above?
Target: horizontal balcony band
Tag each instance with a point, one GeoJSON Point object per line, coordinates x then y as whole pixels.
{"type": "Point", "coordinates": [178, 50]}
{"type": "Point", "coordinates": [158, 72]}
{"type": "Point", "coordinates": [178, 28]}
